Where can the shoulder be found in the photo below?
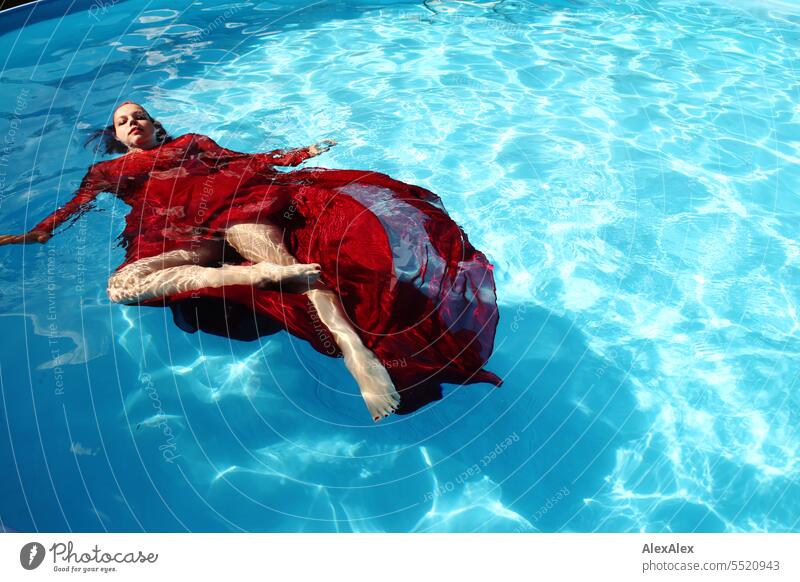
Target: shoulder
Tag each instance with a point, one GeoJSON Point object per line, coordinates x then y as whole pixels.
{"type": "Point", "coordinates": [207, 144]}
{"type": "Point", "coordinates": [183, 141]}
{"type": "Point", "coordinates": [100, 170]}
{"type": "Point", "coordinates": [194, 138]}
{"type": "Point", "coordinates": [189, 137]}
{"type": "Point", "coordinates": [107, 168]}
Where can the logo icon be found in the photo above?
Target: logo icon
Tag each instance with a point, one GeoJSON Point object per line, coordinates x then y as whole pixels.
{"type": "Point", "coordinates": [31, 555]}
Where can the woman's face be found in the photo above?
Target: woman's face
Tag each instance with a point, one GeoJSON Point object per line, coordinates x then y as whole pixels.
{"type": "Point", "coordinates": [133, 127]}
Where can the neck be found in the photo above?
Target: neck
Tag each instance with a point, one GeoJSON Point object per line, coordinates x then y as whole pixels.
{"type": "Point", "coordinates": [134, 149]}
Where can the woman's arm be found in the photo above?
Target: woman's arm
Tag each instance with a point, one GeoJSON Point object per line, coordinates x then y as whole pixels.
{"type": "Point", "coordinates": [24, 239]}
{"type": "Point", "coordinates": [298, 156]}
{"type": "Point", "coordinates": [292, 157]}
{"type": "Point", "coordinates": [93, 183]}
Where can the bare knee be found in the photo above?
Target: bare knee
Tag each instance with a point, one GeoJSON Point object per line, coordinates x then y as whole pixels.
{"type": "Point", "coordinates": [238, 232]}
{"type": "Point", "coordinates": [116, 289]}
{"type": "Point", "coordinates": [259, 242]}
{"type": "Point", "coordinates": [123, 286]}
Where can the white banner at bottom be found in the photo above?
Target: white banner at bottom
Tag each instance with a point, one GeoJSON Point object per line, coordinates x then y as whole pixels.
{"type": "Point", "coordinates": [389, 557]}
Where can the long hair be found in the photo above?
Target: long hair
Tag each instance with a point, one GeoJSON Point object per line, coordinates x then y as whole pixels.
{"type": "Point", "coordinates": [107, 136]}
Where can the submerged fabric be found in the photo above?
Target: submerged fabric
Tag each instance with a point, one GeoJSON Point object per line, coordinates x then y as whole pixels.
{"type": "Point", "coordinates": [420, 296]}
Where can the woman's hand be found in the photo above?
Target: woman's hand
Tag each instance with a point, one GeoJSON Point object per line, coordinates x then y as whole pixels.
{"type": "Point", "coordinates": [321, 147]}
{"type": "Point", "coordinates": [33, 236]}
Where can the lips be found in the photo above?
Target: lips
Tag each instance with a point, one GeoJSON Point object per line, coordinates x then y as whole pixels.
{"type": "Point", "coordinates": [135, 129]}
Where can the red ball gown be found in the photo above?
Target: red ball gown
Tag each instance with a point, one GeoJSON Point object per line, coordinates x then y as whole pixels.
{"type": "Point", "coordinates": [420, 296]}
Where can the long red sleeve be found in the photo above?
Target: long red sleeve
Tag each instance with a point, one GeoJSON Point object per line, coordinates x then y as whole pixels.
{"type": "Point", "coordinates": [286, 157]}
{"type": "Point", "coordinates": [93, 183]}
{"type": "Point", "coordinates": [264, 160]}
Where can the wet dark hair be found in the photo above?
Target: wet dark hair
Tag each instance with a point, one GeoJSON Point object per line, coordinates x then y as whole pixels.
{"type": "Point", "coordinates": [107, 136]}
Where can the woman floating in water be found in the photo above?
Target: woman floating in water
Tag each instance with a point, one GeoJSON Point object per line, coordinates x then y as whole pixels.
{"type": "Point", "coordinates": [358, 264]}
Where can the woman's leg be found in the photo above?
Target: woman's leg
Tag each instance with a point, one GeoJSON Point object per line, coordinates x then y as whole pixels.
{"type": "Point", "coordinates": [264, 242]}
{"type": "Point", "coordinates": [185, 270]}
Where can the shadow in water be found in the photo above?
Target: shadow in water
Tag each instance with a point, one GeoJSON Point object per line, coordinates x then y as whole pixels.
{"type": "Point", "coordinates": [571, 410]}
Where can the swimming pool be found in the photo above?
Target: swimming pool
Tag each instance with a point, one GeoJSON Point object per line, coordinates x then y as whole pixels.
{"type": "Point", "coordinates": [630, 168]}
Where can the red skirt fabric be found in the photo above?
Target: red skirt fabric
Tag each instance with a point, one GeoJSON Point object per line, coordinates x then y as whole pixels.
{"type": "Point", "coordinates": [419, 295]}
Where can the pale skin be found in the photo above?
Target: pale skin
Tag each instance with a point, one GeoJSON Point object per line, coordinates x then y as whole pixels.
{"type": "Point", "coordinates": [273, 265]}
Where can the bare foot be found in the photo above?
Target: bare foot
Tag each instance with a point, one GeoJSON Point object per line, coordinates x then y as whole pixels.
{"type": "Point", "coordinates": [300, 274]}
{"type": "Point", "coordinates": [376, 386]}
{"type": "Point", "coordinates": [370, 374]}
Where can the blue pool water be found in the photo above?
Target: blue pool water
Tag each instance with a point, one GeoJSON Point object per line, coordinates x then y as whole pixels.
{"type": "Point", "coordinates": [631, 168]}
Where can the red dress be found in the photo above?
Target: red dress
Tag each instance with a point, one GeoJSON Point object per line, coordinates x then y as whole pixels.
{"type": "Point", "coordinates": [416, 291]}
